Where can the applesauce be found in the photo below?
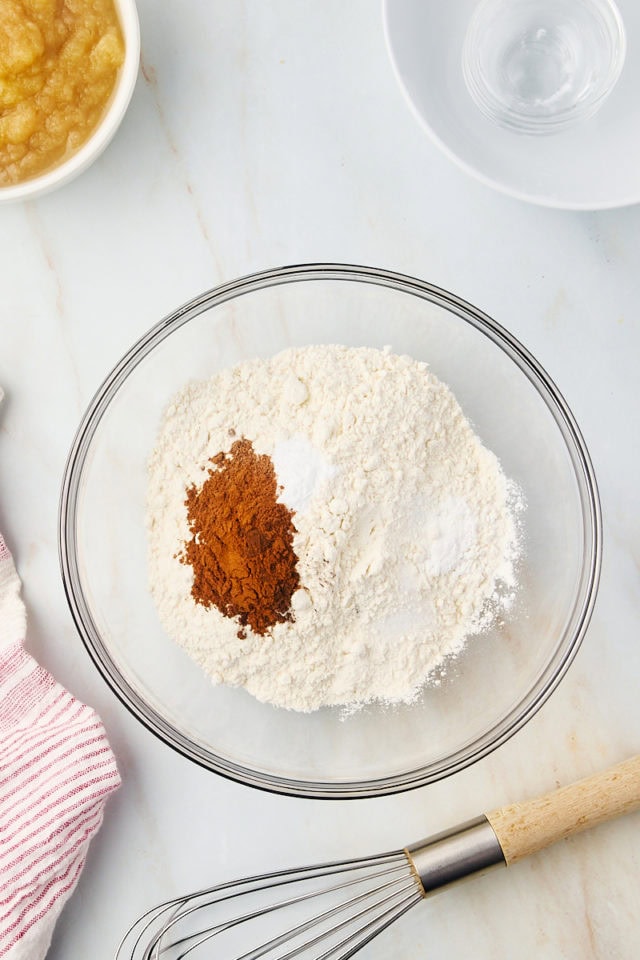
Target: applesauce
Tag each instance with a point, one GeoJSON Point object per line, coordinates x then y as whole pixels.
{"type": "Point", "coordinates": [59, 60]}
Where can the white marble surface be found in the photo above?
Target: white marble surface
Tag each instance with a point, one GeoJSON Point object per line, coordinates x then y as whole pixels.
{"type": "Point", "coordinates": [269, 133]}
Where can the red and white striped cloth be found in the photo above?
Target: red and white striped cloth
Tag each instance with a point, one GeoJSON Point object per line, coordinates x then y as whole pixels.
{"type": "Point", "coordinates": [56, 771]}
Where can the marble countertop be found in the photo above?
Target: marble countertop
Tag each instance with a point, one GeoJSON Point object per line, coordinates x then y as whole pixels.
{"type": "Point", "coordinates": [261, 135]}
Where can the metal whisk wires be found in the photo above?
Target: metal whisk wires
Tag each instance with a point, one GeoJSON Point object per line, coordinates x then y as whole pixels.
{"type": "Point", "coordinates": [314, 913]}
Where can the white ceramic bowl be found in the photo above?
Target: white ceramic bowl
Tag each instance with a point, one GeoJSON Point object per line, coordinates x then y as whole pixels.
{"type": "Point", "coordinates": [102, 135]}
{"type": "Point", "coordinates": [589, 165]}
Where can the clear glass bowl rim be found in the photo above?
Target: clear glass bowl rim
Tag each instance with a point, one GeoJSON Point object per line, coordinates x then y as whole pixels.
{"type": "Point", "coordinates": [411, 779]}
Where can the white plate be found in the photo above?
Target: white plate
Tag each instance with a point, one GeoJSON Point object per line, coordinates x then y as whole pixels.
{"type": "Point", "coordinates": [594, 165]}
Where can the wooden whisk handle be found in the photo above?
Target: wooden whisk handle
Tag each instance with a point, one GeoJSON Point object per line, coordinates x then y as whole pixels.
{"type": "Point", "coordinates": [526, 827]}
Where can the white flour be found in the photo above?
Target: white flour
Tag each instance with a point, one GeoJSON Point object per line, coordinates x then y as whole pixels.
{"type": "Point", "coordinates": [406, 538]}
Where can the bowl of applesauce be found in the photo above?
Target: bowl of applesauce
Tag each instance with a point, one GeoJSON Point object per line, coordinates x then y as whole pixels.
{"type": "Point", "coordinates": [67, 73]}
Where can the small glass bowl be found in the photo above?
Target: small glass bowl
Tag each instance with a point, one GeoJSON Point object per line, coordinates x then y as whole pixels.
{"type": "Point", "coordinates": [102, 135]}
{"type": "Point", "coordinates": [488, 692]}
{"type": "Point", "coordinates": [540, 66]}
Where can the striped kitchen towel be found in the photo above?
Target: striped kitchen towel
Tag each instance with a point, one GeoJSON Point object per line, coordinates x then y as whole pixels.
{"type": "Point", "coordinates": [56, 771]}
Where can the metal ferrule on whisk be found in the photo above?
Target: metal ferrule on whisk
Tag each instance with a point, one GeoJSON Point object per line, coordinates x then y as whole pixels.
{"type": "Point", "coordinates": [448, 857]}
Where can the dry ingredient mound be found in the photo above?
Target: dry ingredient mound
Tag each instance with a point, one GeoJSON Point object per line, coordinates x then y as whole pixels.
{"type": "Point", "coordinates": [403, 525]}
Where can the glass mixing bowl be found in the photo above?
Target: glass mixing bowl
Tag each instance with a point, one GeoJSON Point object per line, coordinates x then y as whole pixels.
{"type": "Point", "coordinates": [502, 676]}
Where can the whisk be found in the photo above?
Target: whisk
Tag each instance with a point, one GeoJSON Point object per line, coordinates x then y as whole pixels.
{"type": "Point", "coordinates": [331, 910]}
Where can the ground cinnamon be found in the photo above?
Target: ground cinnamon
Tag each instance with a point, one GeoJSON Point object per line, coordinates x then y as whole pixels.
{"type": "Point", "coordinates": [241, 548]}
